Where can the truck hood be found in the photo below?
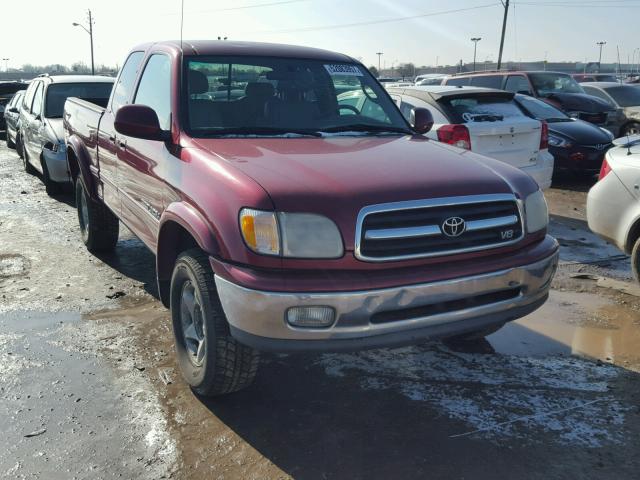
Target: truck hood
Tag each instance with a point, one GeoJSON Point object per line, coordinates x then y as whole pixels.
{"type": "Point", "coordinates": [337, 176]}
{"type": "Point", "coordinates": [577, 102]}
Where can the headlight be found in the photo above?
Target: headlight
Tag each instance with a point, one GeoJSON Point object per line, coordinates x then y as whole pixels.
{"type": "Point", "coordinates": [295, 235]}
{"type": "Point", "coordinates": [559, 142]}
{"type": "Point", "coordinates": [536, 212]}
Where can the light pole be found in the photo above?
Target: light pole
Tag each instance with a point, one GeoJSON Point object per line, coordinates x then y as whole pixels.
{"type": "Point", "coordinates": [379, 57]}
{"type": "Point", "coordinates": [6, 64]}
{"type": "Point", "coordinates": [475, 41]}
{"type": "Point", "coordinates": [90, 32]}
{"type": "Point", "coordinates": [600, 44]}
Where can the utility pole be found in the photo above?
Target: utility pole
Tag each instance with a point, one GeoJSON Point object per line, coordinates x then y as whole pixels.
{"type": "Point", "coordinates": [504, 29]}
{"type": "Point", "coordinates": [90, 32]}
{"type": "Point", "coordinates": [600, 44]}
{"type": "Point", "coordinates": [475, 41]}
{"type": "Point", "coordinates": [379, 57]}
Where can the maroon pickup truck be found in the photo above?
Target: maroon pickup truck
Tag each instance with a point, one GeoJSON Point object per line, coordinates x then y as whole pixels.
{"type": "Point", "coordinates": [283, 219]}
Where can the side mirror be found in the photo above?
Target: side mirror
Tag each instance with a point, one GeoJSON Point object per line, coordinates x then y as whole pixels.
{"type": "Point", "coordinates": [421, 120]}
{"type": "Point", "coordinates": [139, 121]}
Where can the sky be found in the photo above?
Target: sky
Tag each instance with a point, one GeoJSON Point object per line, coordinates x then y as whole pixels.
{"type": "Point", "coordinates": [558, 29]}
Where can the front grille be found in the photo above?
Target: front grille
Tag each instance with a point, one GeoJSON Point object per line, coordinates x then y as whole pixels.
{"type": "Point", "coordinates": [446, 307]}
{"type": "Point", "coordinates": [417, 229]}
{"type": "Point", "coordinates": [595, 118]}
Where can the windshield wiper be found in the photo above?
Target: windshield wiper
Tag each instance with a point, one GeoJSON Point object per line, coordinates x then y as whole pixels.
{"type": "Point", "coordinates": [259, 131]}
{"type": "Point", "coordinates": [364, 127]}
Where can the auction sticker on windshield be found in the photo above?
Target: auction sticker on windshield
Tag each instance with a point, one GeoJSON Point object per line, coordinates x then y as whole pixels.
{"type": "Point", "coordinates": [351, 70]}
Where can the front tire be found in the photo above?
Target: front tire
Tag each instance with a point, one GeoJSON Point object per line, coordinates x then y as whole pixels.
{"type": "Point", "coordinates": [99, 227]}
{"type": "Point", "coordinates": [10, 143]}
{"type": "Point", "coordinates": [211, 361]}
{"type": "Point", "coordinates": [635, 260]}
{"type": "Point", "coordinates": [51, 187]}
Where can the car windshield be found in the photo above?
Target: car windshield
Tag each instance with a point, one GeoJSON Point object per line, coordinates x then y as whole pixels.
{"type": "Point", "coordinates": [57, 94]}
{"type": "Point", "coordinates": [625, 96]}
{"type": "Point", "coordinates": [542, 110]}
{"type": "Point", "coordinates": [271, 96]}
{"type": "Point", "coordinates": [481, 108]}
{"type": "Point", "coordinates": [550, 83]}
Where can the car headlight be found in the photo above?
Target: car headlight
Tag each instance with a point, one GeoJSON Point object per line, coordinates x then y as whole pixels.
{"type": "Point", "coordinates": [294, 235]}
{"type": "Point", "coordinates": [536, 212]}
{"type": "Point", "coordinates": [559, 142]}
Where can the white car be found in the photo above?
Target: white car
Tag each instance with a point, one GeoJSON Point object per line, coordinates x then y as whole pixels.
{"type": "Point", "coordinates": [613, 204]}
{"type": "Point", "coordinates": [485, 121]}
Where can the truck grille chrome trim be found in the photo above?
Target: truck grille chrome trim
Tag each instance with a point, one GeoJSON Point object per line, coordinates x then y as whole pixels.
{"type": "Point", "coordinates": [414, 229]}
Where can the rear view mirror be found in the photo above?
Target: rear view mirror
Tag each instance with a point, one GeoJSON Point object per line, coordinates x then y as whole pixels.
{"type": "Point", "coordinates": [140, 121]}
{"type": "Point", "coordinates": [421, 120]}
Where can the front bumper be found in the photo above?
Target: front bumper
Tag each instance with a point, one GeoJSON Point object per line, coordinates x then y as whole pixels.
{"type": "Point", "coordinates": [56, 164]}
{"type": "Point", "coordinates": [417, 312]}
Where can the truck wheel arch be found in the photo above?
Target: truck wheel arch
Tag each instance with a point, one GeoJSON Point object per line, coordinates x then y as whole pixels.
{"type": "Point", "coordinates": [78, 165]}
{"type": "Point", "coordinates": [181, 228]}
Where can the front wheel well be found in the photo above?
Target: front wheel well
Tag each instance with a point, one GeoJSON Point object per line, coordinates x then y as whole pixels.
{"type": "Point", "coordinates": [72, 164]}
{"type": "Point", "coordinates": [634, 234]}
{"type": "Point", "coordinates": [173, 239]}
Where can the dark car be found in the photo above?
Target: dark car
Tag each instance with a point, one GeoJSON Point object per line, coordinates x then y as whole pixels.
{"type": "Point", "coordinates": [557, 89]}
{"type": "Point", "coordinates": [595, 77]}
{"type": "Point", "coordinates": [576, 145]}
{"type": "Point", "coordinates": [625, 99]}
{"type": "Point", "coordinates": [7, 89]}
{"type": "Point", "coordinates": [11, 116]}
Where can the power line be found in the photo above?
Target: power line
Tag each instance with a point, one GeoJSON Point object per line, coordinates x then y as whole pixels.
{"type": "Point", "coordinates": [376, 22]}
{"type": "Point", "coordinates": [242, 7]}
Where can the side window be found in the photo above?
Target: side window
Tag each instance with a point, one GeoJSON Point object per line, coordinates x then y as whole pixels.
{"type": "Point", "coordinates": [155, 88]}
{"type": "Point", "coordinates": [518, 84]}
{"type": "Point", "coordinates": [36, 108]}
{"type": "Point", "coordinates": [28, 96]}
{"type": "Point", "coordinates": [123, 88]}
{"type": "Point", "coordinates": [487, 81]}
{"type": "Point", "coordinates": [458, 82]}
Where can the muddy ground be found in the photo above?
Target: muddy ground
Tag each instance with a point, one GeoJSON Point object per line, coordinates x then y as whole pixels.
{"type": "Point", "coordinates": [89, 386]}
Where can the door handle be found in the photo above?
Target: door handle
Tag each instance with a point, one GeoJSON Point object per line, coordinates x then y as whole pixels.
{"type": "Point", "coordinates": [122, 144]}
{"type": "Point", "coordinates": [112, 138]}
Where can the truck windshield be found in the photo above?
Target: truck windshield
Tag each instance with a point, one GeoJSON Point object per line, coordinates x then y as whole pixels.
{"type": "Point", "coordinates": [57, 94]}
{"type": "Point", "coordinates": [271, 96]}
{"type": "Point", "coordinates": [550, 83]}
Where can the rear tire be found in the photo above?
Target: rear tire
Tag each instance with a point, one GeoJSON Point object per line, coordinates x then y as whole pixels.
{"type": "Point", "coordinates": [19, 147]}
{"type": "Point", "coordinates": [99, 227]}
{"type": "Point", "coordinates": [30, 169]}
{"type": "Point", "coordinates": [635, 260]}
{"type": "Point", "coordinates": [51, 187]}
{"type": "Point", "coordinates": [211, 361]}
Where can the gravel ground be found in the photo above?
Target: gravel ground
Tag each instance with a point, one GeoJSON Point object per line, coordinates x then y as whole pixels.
{"type": "Point", "coordinates": [89, 386]}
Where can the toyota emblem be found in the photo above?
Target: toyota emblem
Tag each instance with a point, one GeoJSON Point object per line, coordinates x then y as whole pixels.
{"type": "Point", "coordinates": [453, 226]}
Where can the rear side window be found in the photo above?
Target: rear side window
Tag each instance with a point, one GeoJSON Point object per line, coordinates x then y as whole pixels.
{"type": "Point", "coordinates": [458, 82]}
{"type": "Point", "coordinates": [487, 81]}
{"type": "Point", "coordinates": [124, 87]}
{"type": "Point", "coordinates": [481, 109]}
{"type": "Point", "coordinates": [517, 84]}
{"type": "Point", "coordinates": [155, 88]}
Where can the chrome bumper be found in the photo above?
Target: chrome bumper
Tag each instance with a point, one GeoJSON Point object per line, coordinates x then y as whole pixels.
{"type": "Point", "coordinates": [257, 318]}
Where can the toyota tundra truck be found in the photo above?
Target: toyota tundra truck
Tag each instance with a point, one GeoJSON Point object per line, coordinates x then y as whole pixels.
{"type": "Point", "coordinates": [282, 220]}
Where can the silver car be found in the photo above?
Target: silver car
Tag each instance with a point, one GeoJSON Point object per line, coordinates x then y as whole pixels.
{"type": "Point", "coordinates": [613, 204]}
{"type": "Point", "coordinates": [40, 136]}
{"type": "Point", "coordinates": [624, 98]}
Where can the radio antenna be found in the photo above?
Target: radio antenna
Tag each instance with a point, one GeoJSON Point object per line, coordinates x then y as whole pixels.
{"type": "Point", "coordinates": [181, 21]}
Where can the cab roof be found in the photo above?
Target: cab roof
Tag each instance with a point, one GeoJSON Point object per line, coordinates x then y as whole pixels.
{"type": "Point", "coordinates": [257, 49]}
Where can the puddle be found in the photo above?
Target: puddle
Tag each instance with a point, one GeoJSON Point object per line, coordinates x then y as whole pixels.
{"type": "Point", "coordinates": [571, 323]}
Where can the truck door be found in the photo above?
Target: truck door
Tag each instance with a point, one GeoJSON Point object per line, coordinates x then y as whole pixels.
{"type": "Point", "coordinates": [108, 141]}
{"type": "Point", "coordinates": [141, 163]}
